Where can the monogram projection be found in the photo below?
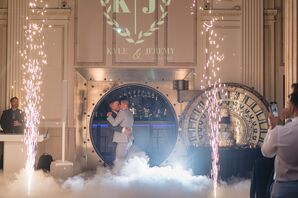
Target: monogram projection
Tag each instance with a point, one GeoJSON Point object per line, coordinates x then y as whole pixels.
{"type": "Point", "coordinates": [135, 36]}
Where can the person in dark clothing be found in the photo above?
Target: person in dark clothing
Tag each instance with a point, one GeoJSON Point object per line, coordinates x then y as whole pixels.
{"type": "Point", "coordinates": [285, 116]}
{"type": "Point", "coordinates": [294, 87]}
{"type": "Point", "coordinates": [12, 120]}
{"type": "Point", "coordinates": [262, 177]}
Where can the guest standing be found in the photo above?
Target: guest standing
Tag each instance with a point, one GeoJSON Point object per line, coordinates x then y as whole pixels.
{"type": "Point", "coordinates": [12, 120]}
{"type": "Point", "coordinates": [281, 142]}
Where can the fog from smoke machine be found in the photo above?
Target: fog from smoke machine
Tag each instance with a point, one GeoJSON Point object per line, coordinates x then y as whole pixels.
{"type": "Point", "coordinates": [135, 180]}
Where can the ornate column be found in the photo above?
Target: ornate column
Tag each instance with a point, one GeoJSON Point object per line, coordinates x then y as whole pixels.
{"type": "Point", "coordinates": [290, 10]}
{"type": "Point", "coordinates": [3, 50]}
{"type": "Point", "coordinates": [252, 44]}
{"type": "Point", "coordinates": [16, 21]}
{"type": "Point", "coordinates": [270, 63]}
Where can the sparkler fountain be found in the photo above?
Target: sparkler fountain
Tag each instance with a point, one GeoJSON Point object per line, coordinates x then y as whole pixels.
{"type": "Point", "coordinates": [211, 79]}
{"type": "Point", "coordinates": [34, 58]}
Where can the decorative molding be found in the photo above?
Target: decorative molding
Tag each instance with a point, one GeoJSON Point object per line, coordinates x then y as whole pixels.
{"type": "Point", "coordinates": [51, 14]}
{"type": "Point", "coordinates": [220, 13]}
{"type": "Point", "coordinates": [195, 42]}
{"type": "Point", "coordinates": [64, 28]}
{"type": "Point", "coordinates": [268, 4]}
{"type": "Point", "coordinates": [3, 15]}
{"type": "Point", "coordinates": [51, 123]}
{"type": "Point", "coordinates": [63, 66]}
{"type": "Point", "coordinates": [270, 12]}
{"type": "Point", "coordinates": [104, 38]}
{"type": "Point", "coordinates": [4, 4]}
{"type": "Point", "coordinates": [270, 15]}
{"type": "Point", "coordinates": [206, 43]}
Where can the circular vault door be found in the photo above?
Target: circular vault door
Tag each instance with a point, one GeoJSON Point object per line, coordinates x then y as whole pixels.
{"type": "Point", "coordinates": [155, 128]}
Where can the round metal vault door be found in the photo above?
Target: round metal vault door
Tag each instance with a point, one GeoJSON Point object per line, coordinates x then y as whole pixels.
{"type": "Point", "coordinates": [155, 127]}
{"type": "Point", "coordinates": [243, 113]}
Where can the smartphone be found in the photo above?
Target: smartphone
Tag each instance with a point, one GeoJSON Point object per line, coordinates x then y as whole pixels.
{"type": "Point", "coordinates": [274, 109]}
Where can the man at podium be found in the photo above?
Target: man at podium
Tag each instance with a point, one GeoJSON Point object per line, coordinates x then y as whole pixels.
{"type": "Point", "coordinates": [12, 120]}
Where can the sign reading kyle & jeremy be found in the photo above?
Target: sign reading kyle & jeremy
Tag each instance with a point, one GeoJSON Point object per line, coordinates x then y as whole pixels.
{"type": "Point", "coordinates": [136, 32]}
{"type": "Point", "coordinates": [135, 36]}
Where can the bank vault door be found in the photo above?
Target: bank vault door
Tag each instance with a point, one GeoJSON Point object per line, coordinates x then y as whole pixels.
{"type": "Point", "coordinates": [155, 128]}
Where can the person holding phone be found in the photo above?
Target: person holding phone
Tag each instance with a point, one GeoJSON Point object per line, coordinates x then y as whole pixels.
{"type": "Point", "coordinates": [281, 142]}
{"type": "Point", "coordinates": [274, 109]}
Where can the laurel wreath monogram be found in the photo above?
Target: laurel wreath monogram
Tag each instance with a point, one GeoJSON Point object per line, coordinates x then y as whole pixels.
{"type": "Point", "coordinates": [125, 32]}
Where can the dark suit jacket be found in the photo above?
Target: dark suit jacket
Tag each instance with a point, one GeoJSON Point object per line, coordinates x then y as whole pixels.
{"type": "Point", "coordinates": [7, 119]}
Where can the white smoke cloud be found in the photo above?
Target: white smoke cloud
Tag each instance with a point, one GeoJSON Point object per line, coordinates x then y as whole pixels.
{"type": "Point", "coordinates": [135, 180]}
{"type": "Point", "coordinates": [17, 187]}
